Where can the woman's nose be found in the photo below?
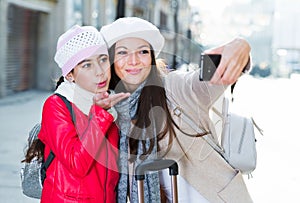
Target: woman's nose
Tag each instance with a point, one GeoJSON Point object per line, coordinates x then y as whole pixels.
{"type": "Point", "coordinates": [133, 59]}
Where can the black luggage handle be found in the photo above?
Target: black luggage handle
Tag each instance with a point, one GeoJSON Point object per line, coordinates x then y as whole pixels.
{"type": "Point", "coordinates": [156, 165]}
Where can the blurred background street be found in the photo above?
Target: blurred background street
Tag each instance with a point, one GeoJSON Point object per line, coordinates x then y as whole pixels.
{"type": "Point", "coordinates": [274, 104]}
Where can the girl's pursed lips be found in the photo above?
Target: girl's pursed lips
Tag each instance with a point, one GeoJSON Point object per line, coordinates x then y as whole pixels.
{"type": "Point", "coordinates": [102, 84]}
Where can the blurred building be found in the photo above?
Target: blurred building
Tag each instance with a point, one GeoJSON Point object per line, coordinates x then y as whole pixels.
{"type": "Point", "coordinates": [26, 35]}
{"type": "Point", "coordinates": [29, 32]}
{"type": "Point", "coordinates": [274, 31]}
{"type": "Point", "coordinates": [286, 41]}
{"type": "Point", "coordinates": [30, 28]}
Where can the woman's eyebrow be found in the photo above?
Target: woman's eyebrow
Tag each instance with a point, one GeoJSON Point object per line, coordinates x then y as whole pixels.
{"type": "Point", "coordinates": [121, 47]}
{"type": "Point", "coordinates": [140, 47]}
{"type": "Point", "coordinates": [144, 46]}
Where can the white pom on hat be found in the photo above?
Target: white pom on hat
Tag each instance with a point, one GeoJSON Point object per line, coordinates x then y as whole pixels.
{"type": "Point", "coordinates": [77, 44]}
{"type": "Point", "coordinates": [133, 27]}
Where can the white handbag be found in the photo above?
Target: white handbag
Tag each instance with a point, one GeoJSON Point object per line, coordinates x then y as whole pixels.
{"type": "Point", "coordinates": [238, 142]}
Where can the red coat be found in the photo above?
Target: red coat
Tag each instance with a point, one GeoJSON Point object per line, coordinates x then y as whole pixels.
{"type": "Point", "coordinates": [85, 165]}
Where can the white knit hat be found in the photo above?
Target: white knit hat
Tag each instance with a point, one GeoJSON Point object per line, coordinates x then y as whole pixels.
{"type": "Point", "coordinates": [133, 27]}
{"type": "Point", "coordinates": [77, 44]}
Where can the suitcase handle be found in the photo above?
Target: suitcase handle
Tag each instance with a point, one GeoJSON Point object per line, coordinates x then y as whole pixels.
{"type": "Point", "coordinates": [156, 165]}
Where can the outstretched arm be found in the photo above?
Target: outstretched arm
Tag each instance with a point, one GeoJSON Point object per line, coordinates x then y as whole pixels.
{"type": "Point", "coordinates": [235, 57]}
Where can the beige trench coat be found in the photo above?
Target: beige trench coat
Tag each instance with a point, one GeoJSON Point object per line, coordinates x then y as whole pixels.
{"type": "Point", "coordinates": [199, 164]}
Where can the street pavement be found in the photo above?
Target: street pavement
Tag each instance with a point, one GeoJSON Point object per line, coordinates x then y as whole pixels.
{"type": "Point", "coordinates": [18, 114]}
{"type": "Point", "coordinates": [274, 104]}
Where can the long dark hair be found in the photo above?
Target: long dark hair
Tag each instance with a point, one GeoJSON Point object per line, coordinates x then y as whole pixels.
{"type": "Point", "coordinates": [36, 147]}
{"type": "Point", "coordinates": [152, 95]}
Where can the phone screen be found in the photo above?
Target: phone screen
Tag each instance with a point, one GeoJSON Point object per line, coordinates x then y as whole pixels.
{"type": "Point", "coordinates": [208, 66]}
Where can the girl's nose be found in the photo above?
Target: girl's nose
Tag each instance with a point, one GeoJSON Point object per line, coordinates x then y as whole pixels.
{"type": "Point", "coordinates": [99, 70]}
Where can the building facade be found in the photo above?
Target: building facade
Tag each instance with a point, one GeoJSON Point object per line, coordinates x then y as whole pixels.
{"type": "Point", "coordinates": [29, 32]}
{"type": "Point", "coordinates": [30, 28]}
{"type": "Point", "coordinates": [286, 41]}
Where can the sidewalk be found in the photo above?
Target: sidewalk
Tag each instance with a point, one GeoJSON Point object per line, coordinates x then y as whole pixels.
{"type": "Point", "coordinates": [275, 106]}
{"type": "Point", "coordinates": [19, 113]}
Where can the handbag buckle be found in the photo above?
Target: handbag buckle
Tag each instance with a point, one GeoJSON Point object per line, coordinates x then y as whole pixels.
{"type": "Point", "coordinates": [177, 111]}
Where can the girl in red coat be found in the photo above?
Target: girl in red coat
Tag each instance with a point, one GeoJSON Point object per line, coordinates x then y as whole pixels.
{"type": "Point", "coordinates": [86, 146]}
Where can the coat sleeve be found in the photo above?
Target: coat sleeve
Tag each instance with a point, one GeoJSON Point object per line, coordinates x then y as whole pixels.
{"type": "Point", "coordinates": [75, 145]}
{"type": "Point", "coordinates": [186, 88]}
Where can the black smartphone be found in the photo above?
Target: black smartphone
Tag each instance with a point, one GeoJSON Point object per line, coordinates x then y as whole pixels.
{"type": "Point", "coordinates": [208, 65]}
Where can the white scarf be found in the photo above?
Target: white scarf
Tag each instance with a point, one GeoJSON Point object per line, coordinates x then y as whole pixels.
{"type": "Point", "coordinates": [82, 98]}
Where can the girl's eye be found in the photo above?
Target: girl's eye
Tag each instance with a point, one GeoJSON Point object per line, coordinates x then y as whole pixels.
{"type": "Point", "coordinates": [103, 59]}
{"type": "Point", "coordinates": [86, 65]}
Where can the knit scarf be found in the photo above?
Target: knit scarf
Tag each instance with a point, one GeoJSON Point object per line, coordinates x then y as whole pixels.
{"type": "Point", "coordinates": [126, 112]}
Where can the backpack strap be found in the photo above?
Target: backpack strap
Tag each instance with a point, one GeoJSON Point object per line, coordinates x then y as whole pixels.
{"type": "Point", "coordinates": [67, 103]}
{"type": "Point", "coordinates": [51, 155]}
{"type": "Point", "coordinates": [45, 166]}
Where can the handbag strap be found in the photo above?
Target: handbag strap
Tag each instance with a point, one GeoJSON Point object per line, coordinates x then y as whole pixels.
{"type": "Point", "coordinates": [180, 113]}
{"type": "Point", "coordinates": [216, 111]}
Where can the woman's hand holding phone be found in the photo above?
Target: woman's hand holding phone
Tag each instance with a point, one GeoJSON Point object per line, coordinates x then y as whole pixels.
{"type": "Point", "coordinates": [235, 58]}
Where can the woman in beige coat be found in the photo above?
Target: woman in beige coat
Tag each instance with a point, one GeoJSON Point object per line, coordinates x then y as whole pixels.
{"type": "Point", "coordinates": [150, 120]}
